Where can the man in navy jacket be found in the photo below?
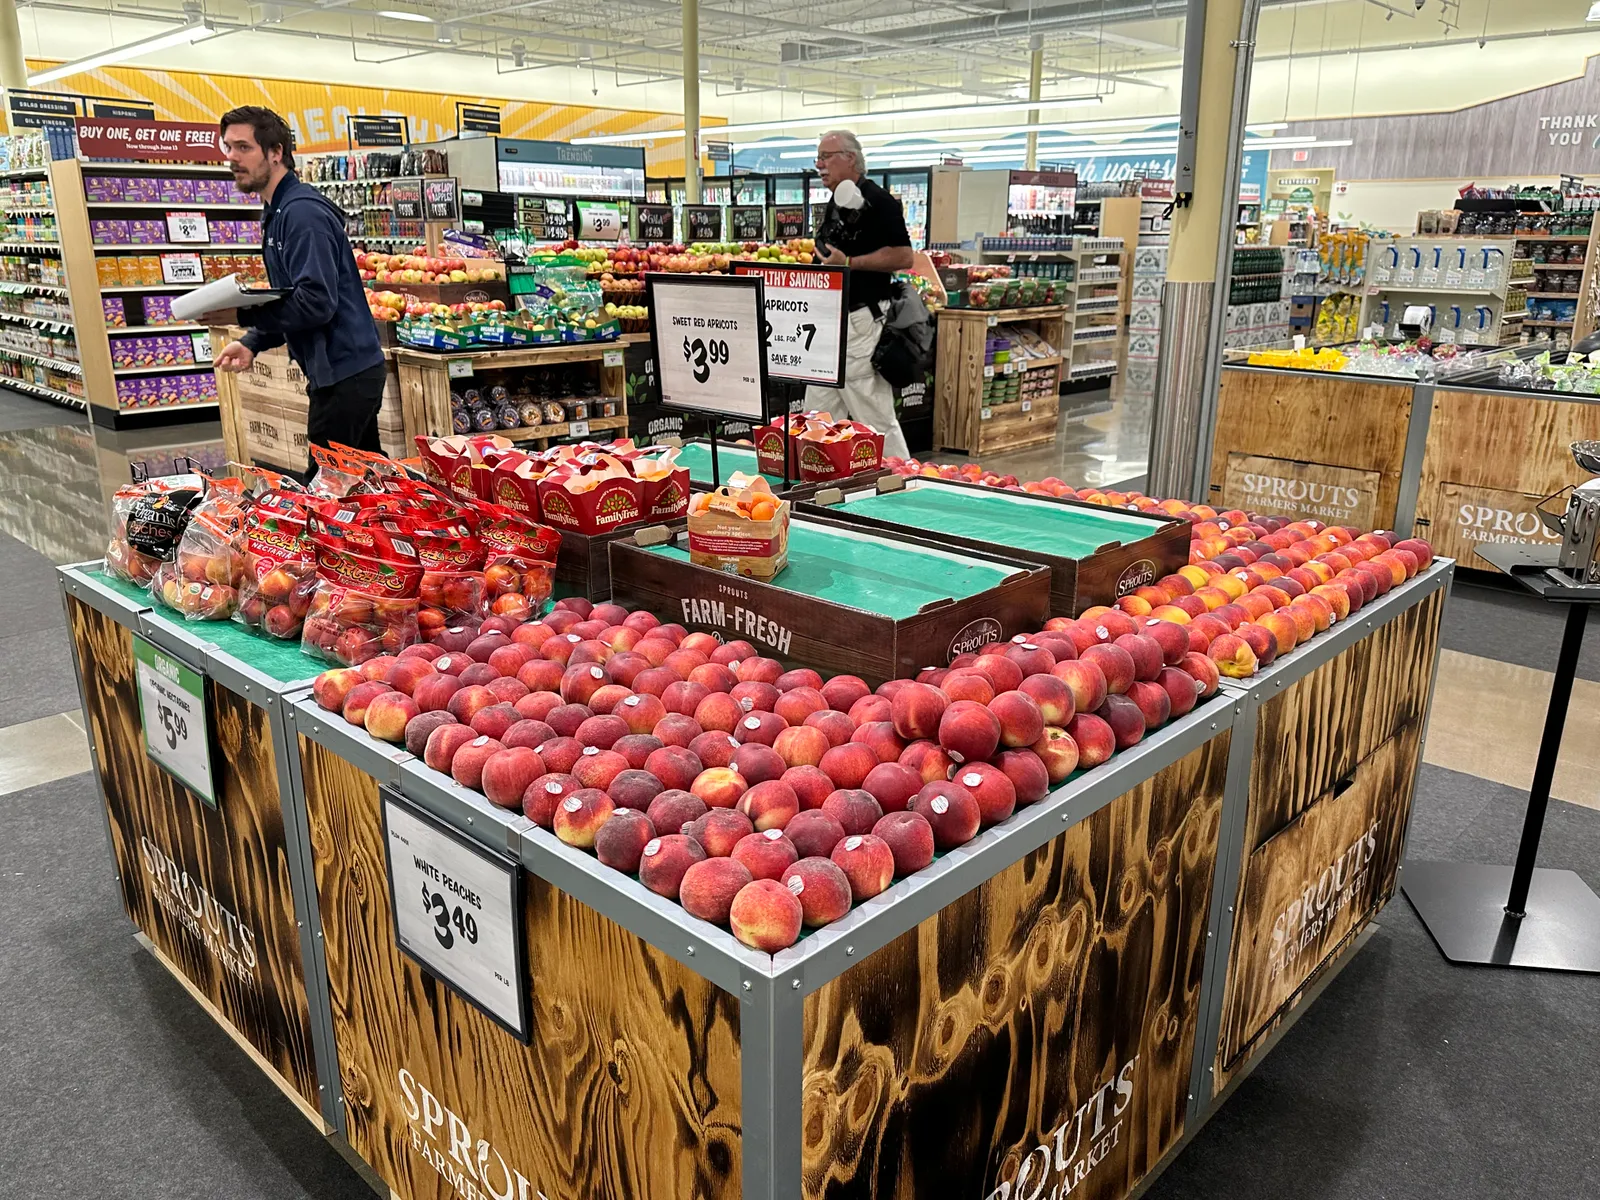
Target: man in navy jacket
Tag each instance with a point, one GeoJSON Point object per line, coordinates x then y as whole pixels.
{"type": "Point", "coordinates": [323, 317]}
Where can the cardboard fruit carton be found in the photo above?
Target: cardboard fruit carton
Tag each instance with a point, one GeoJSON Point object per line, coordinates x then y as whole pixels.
{"type": "Point", "coordinates": [740, 529]}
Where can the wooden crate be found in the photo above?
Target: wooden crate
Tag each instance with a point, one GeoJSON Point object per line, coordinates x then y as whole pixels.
{"type": "Point", "coordinates": [958, 381]}
{"type": "Point", "coordinates": [1310, 444]}
{"type": "Point", "coordinates": [1490, 458]}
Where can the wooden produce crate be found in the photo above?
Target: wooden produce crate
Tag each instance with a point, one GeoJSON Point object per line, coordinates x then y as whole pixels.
{"type": "Point", "coordinates": [263, 410]}
{"type": "Point", "coordinates": [851, 600]}
{"type": "Point", "coordinates": [1095, 554]}
{"type": "Point", "coordinates": [1311, 444]}
{"type": "Point", "coordinates": [958, 415]}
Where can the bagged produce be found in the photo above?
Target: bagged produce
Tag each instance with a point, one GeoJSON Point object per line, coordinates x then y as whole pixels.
{"type": "Point", "coordinates": [519, 561]}
{"type": "Point", "coordinates": [148, 519]}
{"type": "Point", "coordinates": [453, 590]}
{"type": "Point", "coordinates": [279, 575]}
{"type": "Point", "coordinates": [365, 602]}
{"type": "Point", "coordinates": [202, 580]}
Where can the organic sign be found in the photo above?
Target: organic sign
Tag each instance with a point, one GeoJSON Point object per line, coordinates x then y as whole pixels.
{"type": "Point", "coordinates": [806, 309]}
{"type": "Point", "coordinates": [172, 703]}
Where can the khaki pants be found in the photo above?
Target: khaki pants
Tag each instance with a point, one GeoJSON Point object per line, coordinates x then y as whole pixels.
{"type": "Point", "coordinates": [867, 396]}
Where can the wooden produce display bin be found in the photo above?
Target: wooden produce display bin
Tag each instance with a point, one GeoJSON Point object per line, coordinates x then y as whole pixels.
{"type": "Point", "coordinates": [1334, 734]}
{"type": "Point", "coordinates": [426, 378]}
{"type": "Point", "coordinates": [1315, 444]}
{"type": "Point", "coordinates": [1095, 554]}
{"type": "Point", "coordinates": [932, 1042]}
{"type": "Point", "coordinates": [959, 420]}
{"type": "Point", "coordinates": [1491, 456]}
{"type": "Point", "coordinates": [216, 889]}
{"type": "Point", "coordinates": [851, 600]}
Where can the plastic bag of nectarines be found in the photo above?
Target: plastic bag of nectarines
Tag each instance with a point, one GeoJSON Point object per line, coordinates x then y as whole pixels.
{"type": "Point", "coordinates": [202, 580]}
{"type": "Point", "coordinates": [453, 589]}
{"type": "Point", "coordinates": [148, 519]}
{"type": "Point", "coordinates": [365, 602]}
{"type": "Point", "coordinates": [280, 570]}
{"type": "Point", "coordinates": [519, 566]}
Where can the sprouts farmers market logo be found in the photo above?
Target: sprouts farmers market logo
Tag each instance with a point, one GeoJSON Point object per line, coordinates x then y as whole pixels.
{"type": "Point", "coordinates": [1136, 575]}
{"type": "Point", "coordinates": [228, 939]}
{"type": "Point", "coordinates": [1491, 523]}
{"type": "Point", "coordinates": [1320, 901]}
{"type": "Point", "coordinates": [974, 636]}
{"type": "Point", "coordinates": [1053, 1169]}
{"type": "Point", "coordinates": [474, 1168]}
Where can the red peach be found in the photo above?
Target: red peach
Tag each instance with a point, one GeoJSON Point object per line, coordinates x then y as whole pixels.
{"type": "Point", "coordinates": [1204, 671]}
{"type": "Point", "coordinates": [1319, 608]}
{"type": "Point", "coordinates": [951, 810]}
{"type": "Point", "coordinates": [1172, 638]}
{"type": "Point", "coordinates": [1086, 681]}
{"type": "Point", "coordinates": [769, 804]}
{"type": "Point", "coordinates": [1057, 752]}
{"type": "Point", "coordinates": [683, 697]}
{"type": "Point", "coordinates": [1032, 658]}
{"type": "Point", "coordinates": [486, 644]}
{"type": "Point", "coordinates": [801, 745]}
{"type": "Point", "coordinates": [407, 673]}
{"type": "Point", "coordinates": [1115, 663]}
{"type": "Point", "coordinates": [822, 887]}
{"type": "Point", "coordinates": [605, 698]}
{"type": "Point", "coordinates": [814, 832]}
{"type": "Point", "coordinates": [929, 760]}
{"type": "Point", "coordinates": [509, 657]}
{"type": "Point", "coordinates": [1146, 652]}
{"type": "Point", "coordinates": [848, 765]}
{"type": "Point", "coordinates": [682, 661]}
{"type": "Point", "coordinates": [596, 768]}
{"type": "Point", "coordinates": [621, 840]}
{"type": "Point", "coordinates": [731, 652]}
{"type": "Point", "coordinates": [916, 710]}
{"type": "Point", "coordinates": [478, 674]}
{"type": "Point", "coordinates": [581, 682]}
{"type": "Point", "coordinates": [422, 650]}
{"type": "Point", "coordinates": [799, 677]}
{"type": "Point", "coordinates": [1261, 641]}
{"type": "Point", "coordinates": [671, 810]}
{"type": "Point", "coordinates": [753, 697]}
{"type": "Point", "coordinates": [719, 787]}
{"type": "Point", "coordinates": [1021, 720]}
{"type": "Point", "coordinates": [1303, 619]}
{"type": "Point", "coordinates": [420, 728]}
{"type": "Point", "coordinates": [837, 727]}
{"type": "Point", "coordinates": [909, 838]}
{"type": "Point", "coordinates": [443, 744]}
{"type": "Point", "coordinates": [1418, 549]}
{"type": "Point", "coordinates": [867, 862]}
{"type": "Point", "coordinates": [713, 677]}
{"type": "Point", "coordinates": [578, 819]}
{"type": "Point", "coordinates": [332, 688]}
{"type": "Point", "coordinates": [758, 763]}
{"type": "Point", "coordinates": [1152, 701]}
{"type": "Point", "coordinates": [466, 767]}
{"type": "Point", "coordinates": [1027, 772]}
{"type": "Point", "coordinates": [719, 830]}
{"type": "Point", "coordinates": [641, 714]}
{"type": "Point", "coordinates": [1125, 718]}
{"type": "Point", "coordinates": [991, 788]}
{"type": "Point", "coordinates": [854, 808]}
{"type": "Point", "coordinates": [533, 635]}
{"type": "Point", "coordinates": [1183, 689]}
{"type": "Point", "coordinates": [536, 706]}
{"type": "Point", "coordinates": [601, 731]}
{"type": "Point", "coordinates": [543, 794]}
{"type": "Point", "coordinates": [970, 732]}
{"type": "Point", "coordinates": [507, 690]}
{"type": "Point", "coordinates": [709, 886]}
{"type": "Point", "coordinates": [882, 738]}
{"type": "Point", "coordinates": [767, 854]}
{"type": "Point", "coordinates": [624, 668]}
{"type": "Point", "coordinates": [560, 754]}
{"type": "Point", "coordinates": [798, 703]}
{"type": "Point", "coordinates": [844, 690]}
{"type": "Point", "coordinates": [760, 670]}
{"type": "Point", "coordinates": [968, 685]}
{"type": "Point", "coordinates": [1336, 598]}
{"type": "Point", "coordinates": [507, 774]}
{"type": "Point", "coordinates": [760, 727]}
{"type": "Point", "coordinates": [1059, 644]}
{"type": "Point", "coordinates": [451, 664]}
{"type": "Point", "coordinates": [654, 682]}
{"type": "Point", "coordinates": [871, 708]}
{"type": "Point", "coordinates": [634, 789]}
{"type": "Point", "coordinates": [665, 860]}
{"type": "Point", "coordinates": [765, 915]}
{"type": "Point", "coordinates": [675, 729]}
{"type": "Point", "coordinates": [566, 718]}
{"type": "Point", "coordinates": [363, 694]}
{"type": "Point", "coordinates": [1054, 698]}
{"type": "Point", "coordinates": [654, 650]}
{"type": "Point", "coordinates": [1002, 674]}
{"type": "Point", "coordinates": [714, 748]}
{"type": "Point", "coordinates": [719, 711]}
{"type": "Point", "coordinates": [1094, 738]}
{"type": "Point", "coordinates": [496, 720]}
{"type": "Point", "coordinates": [637, 748]}
{"type": "Point", "coordinates": [676, 766]}
{"type": "Point", "coordinates": [890, 688]}
{"type": "Point", "coordinates": [377, 669]}
{"type": "Point", "coordinates": [387, 715]}
{"type": "Point", "coordinates": [892, 784]}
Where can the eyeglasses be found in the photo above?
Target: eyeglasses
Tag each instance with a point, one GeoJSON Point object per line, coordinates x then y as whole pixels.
{"type": "Point", "coordinates": [823, 158]}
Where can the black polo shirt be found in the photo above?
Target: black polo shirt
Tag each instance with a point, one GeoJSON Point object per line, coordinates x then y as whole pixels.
{"type": "Point", "coordinates": [878, 223]}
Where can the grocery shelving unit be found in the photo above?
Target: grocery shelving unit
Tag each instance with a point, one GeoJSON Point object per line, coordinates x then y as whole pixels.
{"type": "Point", "coordinates": [1418, 270]}
{"type": "Point", "coordinates": [1100, 304]}
{"type": "Point", "coordinates": [39, 353]}
{"type": "Point", "coordinates": [963, 419]}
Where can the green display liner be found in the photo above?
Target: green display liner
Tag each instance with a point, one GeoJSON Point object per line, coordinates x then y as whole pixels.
{"type": "Point", "coordinates": [872, 573]}
{"type": "Point", "coordinates": [730, 458]}
{"type": "Point", "coordinates": [277, 660]}
{"type": "Point", "coordinates": [1003, 519]}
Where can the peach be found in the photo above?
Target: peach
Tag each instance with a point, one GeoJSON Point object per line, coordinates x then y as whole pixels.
{"type": "Point", "coordinates": [1379, 573]}
{"type": "Point", "coordinates": [607, 696]}
{"type": "Point", "coordinates": [719, 787]}
{"type": "Point", "coordinates": [359, 697]}
{"type": "Point", "coordinates": [811, 785]}
{"type": "Point", "coordinates": [602, 731]}
{"type": "Point", "coordinates": [665, 860]}
{"type": "Point", "coordinates": [952, 812]}
{"type": "Point", "coordinates": [1183, 690]}
{"type": "Point", "coordinates": [1256, 603]}
{"type": "Point", "coordinates": [496, 720]}
{"type": "Point", "coordinates": [634, 789]}
{"type": "Point", "coordinates": [714, 748]}
{"type": "Point", "coordinates": [420, 728]}
{"type": "Point", "coordinates": [929, 760]}
{"type": "Point", "coordinates": [909, 838]}
{"type": "Point", "coordinates": [760, 728]}
{"type": "Point", "coordinates": [536, 706]}
{"type": "Point", "coordinates": [682, 661]}
{"type": "Point", "coordinates": [836, 726]}
{"type": "Point", "coordinates": [801, 745]}
{"type": "Point", "coordinates": [1021, 720]}
{"type": "Point", "coordinates": [719, 711]}
{"type": "Point", "coordinates": [849, 764]}
{"type": "Point", "coordinates": [759, 670]}
{"type": "Point", "coordinates": [1233, 656]}
{"type": "Point", "coordinates": [1211, 625]}
{"type": "Point", "coordinates": [1262, 641]}
{"type": "Point", "coordinates": [842, 691]}
{"type": "Point", "coordinates": [1172, 637]}
{"type": "Point", "coordinates": [508, 773]}
{"type": "Point", "coordinates": [484, 645]}
{"type": "Point", "coordinates": [1197, 577]}
{"type": "Point", "coordinates": [675, 729]}
{"type": "Point", "coordinates": [719, 830]}
{"type": "Point", "coordinates": [681, 696]}
{"type": "Point", "coordinates": [596, 768]}
{"type": "Point", "coordinates": [408, 672]}
{"type": "Point", "coordinates": [822, 888]}
{"type": "Point", "coordinates": [620, 842]}
{"type": "Point", "coordinates": [624, 668]}
{"type": "Point", "coordinates": [970, 731]}
{"type": "Point", "coordinates": [916, 709]}
{"type": "Point", "coordinates": [654, 681]}
{"type": "Point", "coordinates": [892, 784]}
{"type": "Point", "coordinates": [1134, 605]}
{"type": "Point", "coordinates": [754, 697]}
{"type": "Point", "coordinates": [814, 832]}
{"type": "Point", "coordinates": [466, 767]}
{"type": "Point", "coordinates": [758, 763]}
{"type": "Point", "coordinates": [641, 713]}
{"type": "Point", "coordinates": [1288, 587]}
{"type": "Point", "coordinates": [767, 854]}
{"type": "Point", "coordinates": [765, 915]}
{"type": "Point", "coordinates": [856, 810]}
{"type": "Point", "coordinates": [1190, 606]}
{"type": "Point", "coordinates": [882, 738]}
{"type": "Point", "coordinates": [1027, 771]}
{"type": "Point", "coordinates": [1203, 671]}
{"type": "Point", "coordinates": [968, 685]}
{"type": "Point", "coordinates": [466, 702]}
{"type": "Point", "coordinates": [1321, 611]}
{"type": "Point", "coordinates": [1095, 739]}
{"type": "Point", "coordinates": [509, 657]}
{"type": "Point", "coordinates": [443, 744]}
{"type": "Point", "coordinates": [1214, 597]}
{"type": "Point", "coordinates": [654, 650]}
{"type": "Point", "coordinates": [560, 754]}
{"type": "Point", "coordinates": [769, 804]}
{"type": "Point", "coordinates": [637, 748]}
{"type": "Point", "coordinates": [714, 677]}
{"type": "Point", "coordinates": [1126, 719]}
{"type": "Point", "coordinates": [871, 708]}
{"type": "Point", "coordinates": [478, 673]}
{"type": "Point", "coordinates": [867, 862]}
{"type": "Point", "coordinates": [798, 703]}
{"type": "Point", "coordinates": [507, 690]}
{"type": "Point", "coordinates": [672, 809]}
{"type": "Point", "coordinates": [332, 688]}
{"type": "Point", "coordinates": [1059, 644]}
{"type": "Point", "coordinates": [1152, 701]}
{"type": "Point", "coordinates": [1032, 658]}
{"type": "Point", "coordinates": [991, 788]}
{"type": "Point", "coordinates": [1003, 674]}
{"type": "Point", "coordinates": [1147, 653]}
{"type": "Point", "coordinates": [1085, 680]}
{"type": "Point", "coordinates": [581, 682]}
{"type": "Point", "coordinates": [709, 886]}
{"type": "Point", "coordinates": [377, 669]}
{"type": "Point", "coordinates": [1419, 549]}
{"type": "Point", "coordinates": [675, 766]}
{"type": "Point", "coordinates": [1115, 663]}
{"type": "Point", "coordinates": [1303, 619]}
{"type": "Point", "coordinates": [1057, 752]}
{"type": "Point", "coordinates": [387, 715]}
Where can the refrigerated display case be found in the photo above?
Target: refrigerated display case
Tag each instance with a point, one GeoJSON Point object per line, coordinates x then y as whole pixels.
{"type": "Point", "coordinates": [914, 190]}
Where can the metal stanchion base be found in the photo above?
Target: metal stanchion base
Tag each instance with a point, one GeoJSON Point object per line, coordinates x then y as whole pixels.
{"type": "Point", "coordinates": [1463, 906]}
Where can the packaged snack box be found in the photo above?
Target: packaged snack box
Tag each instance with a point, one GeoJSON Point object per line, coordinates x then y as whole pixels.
{"type": "Point", "coordinates": [172, 190]}
{"type": "Point", "coordinates": [108, 232]}
{"type": "Point", "coordinates": [146, 232]}
{"type": "Point", "coordinates": [740, 529]}
{"type": "Point", "coordinates": [103, 188]}
{"type": "Point", "coordinates": [157, 310]}
{"type": "Point", "coordinates": [124, 352]}
{"type": "Point", "coordinates": [108, 270]}
{"type": "Point", "coordinates": [149, 270]}
{"type": "Point", "coordinates": [141, 190]}
{"type": "Point", "coordinates": [116, 316]}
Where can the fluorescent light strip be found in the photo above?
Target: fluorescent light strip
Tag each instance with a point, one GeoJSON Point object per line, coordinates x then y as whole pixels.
{"type": "Point", "coordinates": [395, 14]}
{"type": "Point", "coordinates": [905, 114]}
{"type": "Point", "coordinates": [1069, 150]}
{"type": "Point", "coordinates": [150, 45]}
{"type": "Point", "coordinates": [1070, 128]}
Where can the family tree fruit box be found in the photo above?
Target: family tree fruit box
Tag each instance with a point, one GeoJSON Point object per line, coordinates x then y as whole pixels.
{"type": "Point", "coordinates": [1095, 554]}
{"type": "Point", "coordinates": [696, 455]}
{"type": "Point", "coordinates": [851, 601]}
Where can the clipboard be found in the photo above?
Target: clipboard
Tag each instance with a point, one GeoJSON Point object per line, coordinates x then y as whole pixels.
{"type": "Point", "coordinates": [221, 295]}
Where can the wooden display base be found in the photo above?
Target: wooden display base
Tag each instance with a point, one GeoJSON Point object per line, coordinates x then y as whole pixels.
{"type": "Point", "coordinates": [959, 423]}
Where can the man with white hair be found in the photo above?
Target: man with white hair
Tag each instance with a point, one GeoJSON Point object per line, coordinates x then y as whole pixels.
{"type": "Point", "coordinates": [863, 228]}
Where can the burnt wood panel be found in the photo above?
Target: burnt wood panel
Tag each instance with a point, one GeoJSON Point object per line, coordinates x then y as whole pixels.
{"type": "Point", "coordinates": [209, 887]}
{"type": "Point", "coordinates": [630, 1086]}
{"type": "Point", "coordinates": [1035, 1035]}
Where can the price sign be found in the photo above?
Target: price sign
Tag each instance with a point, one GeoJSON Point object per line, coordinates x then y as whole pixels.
{"type": "Point", "coordinates": [748, 223]}
{"type": "Point", "coordinates": [611, 358]}
{"type": "Point", "coordinates": [707, 331]}
{"type": "Point", "coordinates": [578, 429]}
{"type": "Point", "coordinates": [182, 268]}
{"type": "Point", "coordinates": [788, 222]}
{"type": "Point", "coordinates": [172, 706]}
{"type": "Point", "coordinates": [599, 222]}
{"type": "Point", "coordinates": [202, 346]}
{"type": "Point", "coordinates": [806, 310]}
{"type": "Point", "coordinates": [655, 222]}
{"type": "Point", "coordinates": [405, 199]}
{"type": "Point", "coordinates": [442, 200]}
{"type": "Point", "coordinates": [188, 227]}
{"type": "Point", "coordinates": [458, 911]}
{"type": "Point", "coordinates": [458, 368]}
{"type": "Point", "coordinates": [702, 222]}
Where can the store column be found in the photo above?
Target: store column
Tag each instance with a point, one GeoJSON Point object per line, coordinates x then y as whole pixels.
{"type": "Point", "coordinates": [691, 101]}
{"type": "Point", "coordinates": [13, 69]}
{"type": "Point", "coordinates": [1216, 79]}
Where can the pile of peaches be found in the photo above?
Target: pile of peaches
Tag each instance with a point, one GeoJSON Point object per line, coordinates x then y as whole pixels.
{"type": "Point", "coordinates": [763, 799]}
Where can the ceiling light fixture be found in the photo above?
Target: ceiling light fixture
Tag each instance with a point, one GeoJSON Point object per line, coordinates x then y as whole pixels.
{"type": "Point", "coordinates": [181, 36]}
{"type": "Point", "coordinates": [396, 14]}
{"type": "Point", "coordinates": [1594, 12]}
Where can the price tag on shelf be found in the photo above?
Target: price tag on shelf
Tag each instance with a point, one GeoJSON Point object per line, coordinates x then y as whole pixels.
{"type": "Point", "coordinates": [599, 222]}
{"type": "Point", "coordinates": [458, 911]}
{"type": "Point", "coordinates": [188, 227]}
{"type": "Point", "coordinates": [992, 321]}
{"type": "Point", "coordinates": [172, 707]}
{"type": "Point", "coordinates": [182, 268]}
{"type": "Point", "coordinates": [578, 429]}
{"type": "Point", "coordinates": [707, 331]}
{"type": "Point", "coordinates": [458, 368]}
{"type": "Point", "coordinates": [611, 358]}
{"type": "Point", "coordinates": [202, 346]}
{"type": "Point", "coordinates": [988, 370]}
{"type": "Point", "coordinates": [1027, 406]}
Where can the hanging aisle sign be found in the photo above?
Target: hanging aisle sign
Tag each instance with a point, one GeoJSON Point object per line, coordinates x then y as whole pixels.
{"type": "Point", "coordinates": [707, 331]}
{"type": "Point", "coordinates": [458, 911]}
{"type": "Point", "coordinates": [172, 708]}
{"type": "Point", "coordinates": [367, 132]}
{"type": "Point", "coordinates": [477, 118]}
{"type": "Point", "coordinates": [40, 111]}
{"type": "Point", "coordinates": [806, 309]}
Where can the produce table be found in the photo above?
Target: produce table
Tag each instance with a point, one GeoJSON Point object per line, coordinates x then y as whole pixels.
{"type": "Point", "coordinates": [1463, 465]}
{"type": "Point", "coordinates": [1063, 1001]}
